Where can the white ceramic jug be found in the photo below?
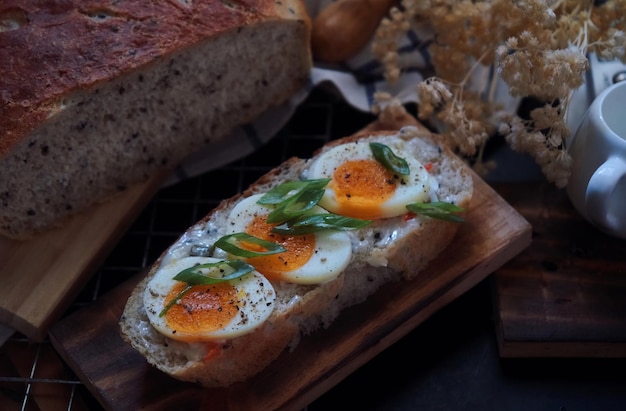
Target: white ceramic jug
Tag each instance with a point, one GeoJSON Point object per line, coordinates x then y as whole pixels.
{"type": "Point", "coordinates": [597, 186]}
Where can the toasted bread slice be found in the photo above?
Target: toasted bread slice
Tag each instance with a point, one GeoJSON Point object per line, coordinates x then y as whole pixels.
{"type": "Point", "coordinates": [389, 249]}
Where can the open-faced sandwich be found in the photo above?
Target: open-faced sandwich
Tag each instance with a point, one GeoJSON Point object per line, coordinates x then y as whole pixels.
{"type": "Point", "coordinates": [285, 257]}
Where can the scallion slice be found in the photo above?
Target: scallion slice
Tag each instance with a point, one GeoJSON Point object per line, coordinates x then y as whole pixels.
{"type": "Point", "coordinates": [234, 244]}
{"type": "Point", "coordinates": [284, 191]}
{"type": "Point", "coordinates": [293, 199]}
{"type": "Point", "coordinates": [385, 156]}
{"type": "Point", "coordinates": [437, 209]}
{"type": "Point", "coordinates": [200, 274]}
{"type": "Point", "coordinates": [317, 222]}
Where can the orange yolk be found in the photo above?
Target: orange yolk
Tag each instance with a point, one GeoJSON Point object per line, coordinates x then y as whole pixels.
{"type": "Point", "coordinates": [361, 186]}
{"type": "Point", "coordinates": [299, 249]}
{"type": "Point", "coordinates": [204, 308]}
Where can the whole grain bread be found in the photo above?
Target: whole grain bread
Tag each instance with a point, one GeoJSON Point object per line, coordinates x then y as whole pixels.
{"type": "Point", "coordinates": [388, 250]}
{"type": "Point", "coordinates": [98, 95]}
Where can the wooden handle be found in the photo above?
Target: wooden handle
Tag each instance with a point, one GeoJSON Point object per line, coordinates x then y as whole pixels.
{"type": "Point", "coordinates": [344, 27]}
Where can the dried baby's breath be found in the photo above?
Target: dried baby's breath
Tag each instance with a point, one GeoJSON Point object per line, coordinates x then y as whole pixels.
{"type": "Point", "coordinates": [537, 47]}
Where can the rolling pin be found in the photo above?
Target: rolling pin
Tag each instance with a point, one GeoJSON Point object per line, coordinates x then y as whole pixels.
{"type": "Point", "coordinates": [344, 27]}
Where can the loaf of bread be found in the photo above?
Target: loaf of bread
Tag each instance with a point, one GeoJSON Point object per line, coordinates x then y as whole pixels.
{"type": "Point", "coordinates": [387, 249]}
{"type": "Point", "coordinates": [98, 95]}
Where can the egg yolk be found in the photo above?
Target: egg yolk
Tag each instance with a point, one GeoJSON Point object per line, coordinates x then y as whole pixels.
{"type": "Point", "coordinates": [361, 186]}
{"type": "Point", "coordinates": [204, 308]}
{"type": "Point", "coordinates": [299, 249]}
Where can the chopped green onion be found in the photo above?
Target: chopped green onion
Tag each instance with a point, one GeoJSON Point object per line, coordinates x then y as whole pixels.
{"type": "Point", "coordinates": [175, 300]}
{"type": "Point", "coordinates": [295, 206]}
{"type": "Point", "coordinates": [385, 156]}
{"type": "Point", "coordinates": [437, 209]}
{"type": "Point", "coordinates": [316, 222]}
{"type": "Point", "coordinates": [290, 204]}
{"type": "Point", "coordinates": [283, 191]}
{"type": "Point", "coordinates": [232, 244]}
{"type": "Point", "coordinates": [199, 275]}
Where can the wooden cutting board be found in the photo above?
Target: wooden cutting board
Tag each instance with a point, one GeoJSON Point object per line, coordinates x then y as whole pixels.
{"type": "Point", "coordinates": [42, 276]}
{"type": "Point", "coordinates": [565, 295]}
{"type": "Point", "coordinates": [89, 340]}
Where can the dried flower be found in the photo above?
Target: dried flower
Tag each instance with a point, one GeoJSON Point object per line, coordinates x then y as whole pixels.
{"type": "Point", "coordinates": [538, 48]}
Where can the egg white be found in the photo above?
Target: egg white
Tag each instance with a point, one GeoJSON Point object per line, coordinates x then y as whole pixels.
{"type": "Point", "coordinates": [333, 249]}
{"type": "Point", "coordinates": [256, 301]}
{"type": "Point", "coordinates": [416, 186]}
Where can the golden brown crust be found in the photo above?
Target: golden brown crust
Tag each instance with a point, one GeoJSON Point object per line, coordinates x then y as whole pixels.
{"type": "Point", "coordinates": [57, 47]}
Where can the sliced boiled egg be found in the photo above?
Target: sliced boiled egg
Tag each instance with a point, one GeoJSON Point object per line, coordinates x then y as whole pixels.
{"type": "Point", "coordinates": [309, 259]}
{"type": "Point", "coordinates": [362, 187]}
{"type": "Point", "coordinates": [210, 312]}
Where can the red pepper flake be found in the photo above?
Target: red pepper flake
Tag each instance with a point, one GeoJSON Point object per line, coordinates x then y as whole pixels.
{"type": "Point", "coordinates": [409, 216]}
{"type": "Point", "coordinates": [428, 166]}
{"type": "Point", "coordinates": [212, 351]}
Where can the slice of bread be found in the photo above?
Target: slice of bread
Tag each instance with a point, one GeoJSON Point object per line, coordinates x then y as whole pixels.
{"type": "Point", "coordinates": [98, 96]}
{"type": "Point", "coordinates": [390, 249]}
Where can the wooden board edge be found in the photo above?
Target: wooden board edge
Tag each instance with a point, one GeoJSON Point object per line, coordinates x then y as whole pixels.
{"type": "Point", "coordinates": [508, 349]}
{"type": "Point", "coordinates": [34, 324]}
{"type": "Point", "coordinates": [529, 348]}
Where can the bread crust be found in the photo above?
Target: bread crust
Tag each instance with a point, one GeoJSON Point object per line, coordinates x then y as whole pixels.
{"type": "Point", "coordinates": [98, 40]}
{"type": "Point", "coordinates": [414, 243]}
{"type": "Point", "coordinates": [127, 90]}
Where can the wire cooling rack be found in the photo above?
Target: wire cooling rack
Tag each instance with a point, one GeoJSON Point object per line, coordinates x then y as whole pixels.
{"type": "Point", "coordinates": [34, 377]}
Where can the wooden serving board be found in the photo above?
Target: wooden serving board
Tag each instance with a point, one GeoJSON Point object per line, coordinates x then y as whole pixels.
{"type": "Point", "coordinates": [42, 276]}
{"type": "Point", "coordinates": [89, 340]}
{"type": "Point", "coordinates": [564, 296]}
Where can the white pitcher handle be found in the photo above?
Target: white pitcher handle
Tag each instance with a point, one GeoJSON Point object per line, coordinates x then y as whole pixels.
{"type": "Point", "coordinates": [600, 190]}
